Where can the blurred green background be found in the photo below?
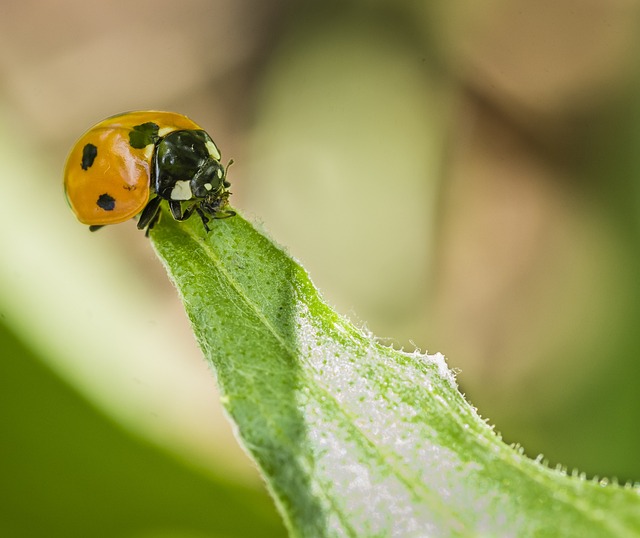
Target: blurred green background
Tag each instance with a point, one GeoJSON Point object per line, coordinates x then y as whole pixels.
{"type": "Point", "coordinates": [456, 177]}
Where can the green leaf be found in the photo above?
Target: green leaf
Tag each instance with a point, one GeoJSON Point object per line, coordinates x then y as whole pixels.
{"type": "Point", "coordinates": [355, 438]}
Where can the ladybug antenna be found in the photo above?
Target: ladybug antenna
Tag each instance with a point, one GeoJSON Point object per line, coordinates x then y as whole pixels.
{"type": "Point", "coordinates": [226, 170]}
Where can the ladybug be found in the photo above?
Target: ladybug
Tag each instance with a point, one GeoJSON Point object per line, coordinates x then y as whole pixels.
{"type": "Point", "coordinates": [126, 165]}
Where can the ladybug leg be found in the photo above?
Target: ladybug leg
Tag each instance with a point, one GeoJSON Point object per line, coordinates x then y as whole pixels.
{"type": "Point", "coordinates": [203, 217]}
{"type": "Point", "coordinates": [149, 215]}
{"type": "Point", "coordinates": [95, 227]}
{"type": "Point", "coordinates": [176, 210]}
{"type": "Point", "coordinates": [224, 214]}
{"type": "Point", "coordinates": [152, 223]}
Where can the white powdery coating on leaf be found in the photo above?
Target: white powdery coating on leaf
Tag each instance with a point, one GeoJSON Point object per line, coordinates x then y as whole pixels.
{"type": "Point", "coordinates": [443, 369]}
{"type": "Point", "coordinates": [366, 504]}
{"type": "Point", "coordinates": [370, 448]}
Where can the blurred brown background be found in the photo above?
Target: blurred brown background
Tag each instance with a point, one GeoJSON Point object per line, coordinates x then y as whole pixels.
{"type": "Point", "coordinates": [458, 177]}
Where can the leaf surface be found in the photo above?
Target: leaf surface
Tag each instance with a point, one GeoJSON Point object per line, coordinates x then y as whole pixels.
{"type": "Point", "coordinates": [355, 438]}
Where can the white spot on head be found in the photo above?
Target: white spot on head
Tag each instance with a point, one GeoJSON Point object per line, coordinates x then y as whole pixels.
{"type": "Point", "coordinates": [208, 186]}
{"type": "Point", "coordinates": [219, 172]}
{"type": "Point", "coordinates": [181, 191]}
{"type": "Point", "coordinates": [213, 150]}
{"type": "Point", "coordinates": [165, 131]}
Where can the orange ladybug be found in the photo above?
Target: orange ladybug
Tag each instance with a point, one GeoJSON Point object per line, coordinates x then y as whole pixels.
{"type": "Point", "coordinates": [126, 165]}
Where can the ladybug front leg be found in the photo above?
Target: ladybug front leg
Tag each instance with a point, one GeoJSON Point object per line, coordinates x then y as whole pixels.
{"type": "Point", "coordinates": [179, 215]}
{"type": "Point", "coordinates": [203, 217]}
{"type": "Point", "coordinates": [176, 210]}
{"type": "Point", "coordinates": [149, 215]}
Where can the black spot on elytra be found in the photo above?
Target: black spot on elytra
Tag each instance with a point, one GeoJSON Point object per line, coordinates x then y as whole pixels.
{"type": "Point", "coordinates": [106, 202]}
{"type": "Point", "coordinates": [144, 134]}
{"type": "Point", "coordinates": [89, 153]}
